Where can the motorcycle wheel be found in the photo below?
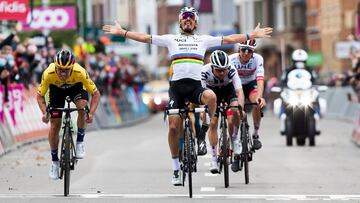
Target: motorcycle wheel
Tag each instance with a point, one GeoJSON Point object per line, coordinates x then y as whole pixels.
{"type": "Point", "coordinates": [300, 141]}
{"type": "Point", "coordinates": [311, 132]}
{"type": "Point", "coordinates": [289, 132]}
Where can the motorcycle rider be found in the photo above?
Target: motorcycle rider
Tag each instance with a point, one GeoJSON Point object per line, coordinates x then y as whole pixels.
{"type": "Point", "coordinates": [299, 58]}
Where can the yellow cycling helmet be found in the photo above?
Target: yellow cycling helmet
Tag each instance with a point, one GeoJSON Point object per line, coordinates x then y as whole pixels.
{"type": "Point", "coordinates": [64, 59]}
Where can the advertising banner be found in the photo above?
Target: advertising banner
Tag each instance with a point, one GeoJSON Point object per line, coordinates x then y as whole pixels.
{"type": "Point", "coordinates": [14, 10]}
{"type": "Point", "coordinates": [51, 18]}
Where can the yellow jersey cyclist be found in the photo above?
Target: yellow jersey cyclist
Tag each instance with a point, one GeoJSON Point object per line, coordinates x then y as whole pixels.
{"type": "Point", "coordinates": [64, 78]}
{"type": "Point", "coordinates": [187, 52]}
{"type": "Point", "coordinates": [222, 78]}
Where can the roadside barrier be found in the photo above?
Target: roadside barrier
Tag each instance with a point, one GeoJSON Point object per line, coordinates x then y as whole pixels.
{"type": "Point", "coordinates": [20, 118]}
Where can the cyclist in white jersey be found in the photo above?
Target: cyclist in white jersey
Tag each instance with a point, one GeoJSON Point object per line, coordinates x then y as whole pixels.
{"type": "Point", "coordinates": [223, 79]}
{"type": "Point", "coordinates": [251, 71]}
{"type": "Point", "coordinates": [186, 51]}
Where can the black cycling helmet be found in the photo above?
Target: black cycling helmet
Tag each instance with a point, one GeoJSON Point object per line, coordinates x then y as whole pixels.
{"type": "Point", "coordinates": [64, 59]}
{"type": "Point", "coordinates": [219, 59]}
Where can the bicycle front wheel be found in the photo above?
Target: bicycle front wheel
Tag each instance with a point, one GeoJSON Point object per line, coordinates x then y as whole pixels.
{"type": "Point", "coordinates": [67, 161]}
{"type": "Point", "coordinates": [188, 148]}
{"type": "Point", "coordinates": [224, 152]}
{"type": "Point", "coordinates": [245, 152]}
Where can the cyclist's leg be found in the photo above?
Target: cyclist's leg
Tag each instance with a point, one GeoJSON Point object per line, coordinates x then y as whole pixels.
{"type": "Point", "coordinates": [256, 119]}
{"type": "Point", "coordinates": [56, 100]}
{"type": "Point", "coordinates": [175, 128]}
{"type": "Point", "coordinates": [80, 98]}
{"type": "Point", "coordinates": [208, 97]}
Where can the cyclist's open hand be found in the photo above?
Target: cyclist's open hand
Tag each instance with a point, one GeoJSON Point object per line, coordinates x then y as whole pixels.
{"type": "Point", "coordinates": [262, 32]}
{"type": "Point", "coordinates": [114, 29]}
{"type": "Point", "coordinates": [261, 102]}
{"type": "Point", "coordinates": [90, 119]}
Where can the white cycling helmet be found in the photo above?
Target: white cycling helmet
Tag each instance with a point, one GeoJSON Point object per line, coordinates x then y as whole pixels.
{"type": "Point", "coordinates": [299, 55]}
{"type": "Point", "coordinates": [219, 59]}
{"type": "Point", "coordinates": [251, 44]}
{"type": "Point", "coordinates": [189, 9]}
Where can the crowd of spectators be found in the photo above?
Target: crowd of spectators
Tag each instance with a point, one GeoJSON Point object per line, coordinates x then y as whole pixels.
{"type": "Point", "coordinates": [23, 62]}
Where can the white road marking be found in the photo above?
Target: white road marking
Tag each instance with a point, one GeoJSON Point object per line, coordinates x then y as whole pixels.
{"type": "Point", "coordinates": [207, 189]}
{"type": "Point", "coordinates": [209, 196]}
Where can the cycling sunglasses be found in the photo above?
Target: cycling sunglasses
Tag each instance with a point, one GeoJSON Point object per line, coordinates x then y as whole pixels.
{"type": "Point", "coordinates": [186, 15]}
{"type": "Point", "coordinates": [247, 50]}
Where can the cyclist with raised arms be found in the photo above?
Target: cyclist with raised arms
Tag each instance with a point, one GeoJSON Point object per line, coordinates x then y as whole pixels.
{"type": "Point", "coordinates": [222, 78]}
{"type": "Point", "coordinates": [250, 68]}
{"type": "Point", "coordinates": [186, 51]}
{"type": "Point", "coordinates": [64, 78]}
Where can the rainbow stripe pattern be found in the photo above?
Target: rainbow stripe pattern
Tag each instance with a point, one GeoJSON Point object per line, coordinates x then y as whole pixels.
{"type": "Point", "coordinates": [187, 58]}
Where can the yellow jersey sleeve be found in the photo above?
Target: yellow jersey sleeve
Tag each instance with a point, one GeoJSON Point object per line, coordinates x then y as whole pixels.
{"type": "Point", "coordinates": [45, 79]}
{"type": "Point", "coordinates": [88, 84]}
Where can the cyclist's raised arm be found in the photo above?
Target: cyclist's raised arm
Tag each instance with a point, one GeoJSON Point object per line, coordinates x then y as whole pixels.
{"type": "Point", "coordinates": [118, 30]}
{"type": "Point", "coordinates": [257, 33]}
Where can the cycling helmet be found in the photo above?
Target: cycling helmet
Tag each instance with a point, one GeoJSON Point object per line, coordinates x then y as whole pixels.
{"type": "Point", "coordinates": [219, 59]}
{"type": "Point", "coordinates": [188, 9]}
{"type": "Point", "coordinates": [64, 59]}
{"type": "Point", "coordinates": [299, 55]}
{"type": "Point", "coordinates": [251, 44]}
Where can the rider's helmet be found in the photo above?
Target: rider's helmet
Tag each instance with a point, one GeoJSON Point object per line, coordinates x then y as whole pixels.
{"type": "Point", "coordinates": [189, 12]}
{"type": "Point", "coordinates": [219, 59]}
{"type": "Point", "coordinates": [248, 44]}
{"type": "Point", "coordinates": [299, 57]}
{"type": "Point", "coordinates": [64, 59]}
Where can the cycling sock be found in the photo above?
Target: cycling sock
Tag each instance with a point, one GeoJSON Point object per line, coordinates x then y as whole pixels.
{"type": "Point", "coordinates": [176, 164]}
{"type": "Point", "coordinates": [54, 155]}
{"type": "Point", "coordinates": [214, 152]}
{"type": "Point", "coordinates": [256, 129]}
{"type": "Point", "coordinates": [80, 135]}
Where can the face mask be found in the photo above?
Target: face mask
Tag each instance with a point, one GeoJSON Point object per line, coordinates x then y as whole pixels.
{"type": "Point", "coordinates": [9, 57]}
{"type": "Point", "coordinates": [11, 63]}
{"type": "Point", "coordinates": [299, 65]}
{"type": "Point", "coordinates": [92, 60]}
{"type": "Point", "coordinates": [2, 62]}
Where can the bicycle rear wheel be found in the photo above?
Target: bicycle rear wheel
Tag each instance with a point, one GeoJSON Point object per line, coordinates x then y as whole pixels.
{"type": "Point", "coordinates": [188, 148]}
{"type": "Point", "coordinates": [67, 161]}
{"type": "Point", "coordinates": [224, 152]}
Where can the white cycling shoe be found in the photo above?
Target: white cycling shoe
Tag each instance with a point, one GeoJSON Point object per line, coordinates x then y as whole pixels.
{"type": "Point", "coordinates": [80, 150]}
{"type": "Point", "coordinates": [54, 170]}
{"type": "Point", "coordinates": [237, 147]}
{"type": "Point", "coordinates": [214, 167]}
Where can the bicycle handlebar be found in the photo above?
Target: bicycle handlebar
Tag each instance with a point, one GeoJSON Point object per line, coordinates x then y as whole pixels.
{"type": "Point", "coordinates": [50, 109]}
{"type": "Point", "coordinates": [186, 110]}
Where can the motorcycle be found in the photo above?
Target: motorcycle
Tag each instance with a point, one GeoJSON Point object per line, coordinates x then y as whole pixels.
{"type": "Point", "coordinates": [299, 108]}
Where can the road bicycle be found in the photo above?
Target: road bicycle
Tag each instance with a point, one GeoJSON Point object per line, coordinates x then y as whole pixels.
{"type": "Point", "coordinates": [247, 144]}
{"type": "Point", "coordinates": [187, 152]}
{"type": "Point", "coordinates": [68, 154]}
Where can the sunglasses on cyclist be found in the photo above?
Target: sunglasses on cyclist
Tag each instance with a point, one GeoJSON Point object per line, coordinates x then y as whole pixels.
{"type": "Point", "coordinates": [248, 50]}
{"type": "Point", "coordinates": [188, 15]}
